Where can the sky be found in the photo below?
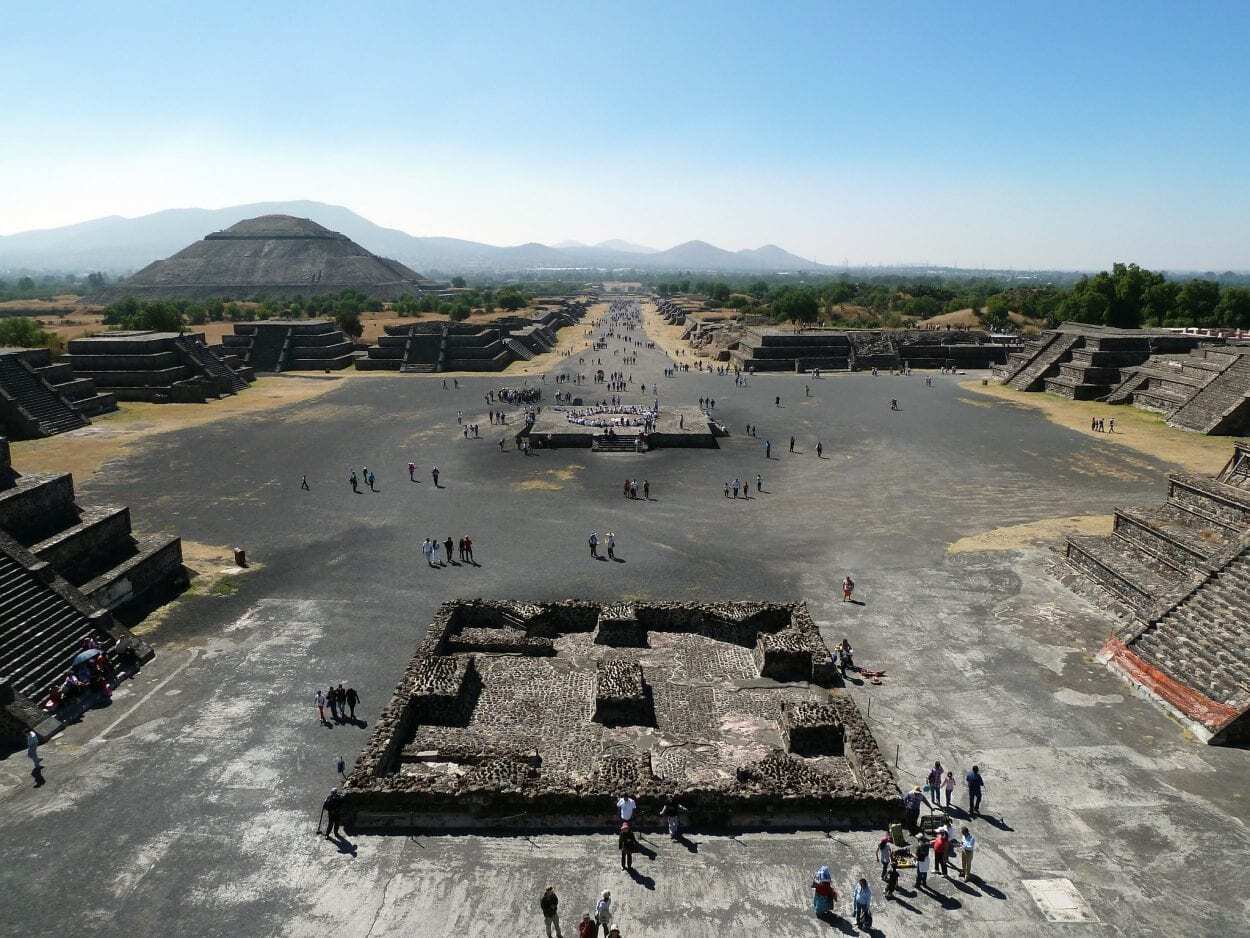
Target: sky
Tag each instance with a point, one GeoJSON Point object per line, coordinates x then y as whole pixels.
{"type": "Point", "coordinates": [1056, 135]}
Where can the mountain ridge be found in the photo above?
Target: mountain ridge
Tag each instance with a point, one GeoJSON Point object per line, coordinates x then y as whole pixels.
{"type": "Point", "coordinates": [116, 244]}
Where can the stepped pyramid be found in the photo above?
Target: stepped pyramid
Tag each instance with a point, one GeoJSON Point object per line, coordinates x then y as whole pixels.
{"type": "Point", "coordinates": [1182, 571]}
{"type": "Point", "coordinates": [277, 255]}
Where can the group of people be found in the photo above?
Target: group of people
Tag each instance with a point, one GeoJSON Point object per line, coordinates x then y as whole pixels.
{"type": "Point", "coordinates": [90, 670]}
{"type": "Point", "coordinates": [432, 550]}
{"type": "Point", "coordinates": [733, 487]}
{"type": "Point", "coordinates": [630, 489]}
{"type": "Point", "coordinates": [619, 415]}
{"type": "Point", "coordinates": [340, 701]}
{"type": "Point", "coordinates": [1102, 425]}
{"type": "Point", "coordinates": [591, 923]}
{"type": "Point", "coordinates": [609, 539]}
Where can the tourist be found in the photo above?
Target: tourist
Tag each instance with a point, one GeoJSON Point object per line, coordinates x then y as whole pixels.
{"type": "Point", "coordinates": [428, 549]}
{"type": "Point", "coordinates": [351, 698]}
{"type": "Point", "coordinates": [968, 844]}
{"type": "Point", "coordinates": [948, 784]}
{"type": "Point", "coordinates": [586, 928]}
{"type": "Point", "coordinates": [976, 784]}
{"type": "Point", "coordinates": [501, 439]}
{"type": "Point", "coordinates": [332, 808]}
{"type": "Point", "coordinates": [434, 473]}
{"type": "Point", "coordinates": [340, 698]}
{"type": "Point", "coordinates": [1111, 426]}
{"type": "Point", "coordinates": [759, 483]}
{"type": "Point", "coordinates": [626, 806]}
{"type": "Point", "coordinates": [846, 657]}
{"type": "Point", "coordinates": [32, 749]}
{"type": "Point", "coordinates": [912, 802]}
{"type": "Point", "coordinates": [594, 544]}
{"type": "Point", "coordinates": [891, 878]}
{"type": "Point", "coordinates": [893, 403]}
{"type": "Point", "coordinates": [863, 904]}
{"type": "Point", "coordinates": [549, 903]}
{"type": "Point", "coordinates": [672, 812]}
{"type": "Point", "coordinates": [726, 489]}
{"type": "Point", "coordinates": [768, 449]}
{"type": "Point", "coordinates": [941, 844]}
{"type": "Point", "coordinates": [334, 704]}
{"type": "Point", "coordinates": [468, 549]}
{"type": "Point", "coordinates": [611, 545]}
{"type": "Point", "coordinates": [627, 843]}
{"type": "Point", "coordinates": [778, 400]}
{"type": "Point", "coordinates": [436, 547]}
{"type": "Point", "coordinates": [303, 483]}
{"type": "Point", "coordinates": [792, 444]}
{"type": "Point", "coordinates": [736, 485]}
{"type": "Point", "coordinates": [412, 472]}
{"type": "Point", "coordinates": [320, 701]}
{"type": "Point", "coordinates": [922, 862]}
{"type": "Point", "coordinates": [848, 587]}
{"type": "Point", "coordinates": [603, 911]}
{"type": "Point", "coordinates": [934, 783]}
{"type": "Point", "coordinates": [355, 484]}
{"type": "Point", "coordinates": [448, 545]}
{"type": "Point", "coordinates": [746, 489]}
{"type": "Point", "coordinates": [820, 450]}
{"type": "Point", "coordinates": [885, 853]}
{"type": "Point", "coordinates": [824, 895]}
{"type": "Point", "coordinates": [646, 490]}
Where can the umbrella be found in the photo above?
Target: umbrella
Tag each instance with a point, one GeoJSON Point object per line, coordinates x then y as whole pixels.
{"type": "Point", "coordinates": [84, 656]}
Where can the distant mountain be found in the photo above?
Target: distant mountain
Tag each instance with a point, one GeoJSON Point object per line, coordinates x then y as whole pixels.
{"type": "Point", "coordinates": [122, 245]}
{"type": "Point", "coordinates": [625, 247]}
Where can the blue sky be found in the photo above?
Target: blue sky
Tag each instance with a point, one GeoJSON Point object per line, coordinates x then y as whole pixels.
{"type": "Point", "coordinates": [1068, 135]}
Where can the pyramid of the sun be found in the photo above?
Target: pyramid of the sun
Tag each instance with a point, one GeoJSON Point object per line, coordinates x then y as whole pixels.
{"type": "Point", "coordinates": [274, 255]}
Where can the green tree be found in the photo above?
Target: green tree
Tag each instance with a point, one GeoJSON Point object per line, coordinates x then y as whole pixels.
{"type": "Point", "coordinates": [796, 304]}
{"type": "Point", "coordinates": [1234, 308]}
{"type": "Point", "coordinates": [348, 319]}
{"type": "Point", "coordinates": [510, 298]}
{"type": "Point", "coordinates": [1197, 301]}
{"type": "Point", "coordinates": [457, 282]}
{"type": "Point", "coordinates": [21, 332]}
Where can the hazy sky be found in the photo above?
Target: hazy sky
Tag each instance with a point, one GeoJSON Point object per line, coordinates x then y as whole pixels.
{"type": "Point", "coordinates": [1027, 135]}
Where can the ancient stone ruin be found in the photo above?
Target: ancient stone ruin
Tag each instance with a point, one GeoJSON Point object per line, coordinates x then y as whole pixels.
{"type": "Point", "coordinates": [1181, 575]}
{"type": "Point", "coordinates": [276, 345]}
{"type": "Point", "coordinates": [64, 570]}
{"type": "Point", "coordinates": [40, 398]}
{"type": "Point", "coordinates": [275, 255]}
{"type": "Point", "coordinates": [540, 715]}
{"type": "Point", "coordinates": [159, 367]}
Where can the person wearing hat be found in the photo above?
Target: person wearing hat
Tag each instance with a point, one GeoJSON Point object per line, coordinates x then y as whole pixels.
{"type": "Point", "coordinates": [549, 903]}
{"type": "Point", "coordinates": [911, 808]}
{"type": "Point", "coordinates": [922, 862]}
{"type": "Point", "coordinates": [627, 843]}
{"type": "Point", "coordinates": [824, 895]}
{"type": "Point", "coordinates": [586, 928]}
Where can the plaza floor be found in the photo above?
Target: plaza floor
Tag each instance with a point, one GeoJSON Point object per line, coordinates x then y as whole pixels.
{"type": "Point", "coordinates": [188, 805]}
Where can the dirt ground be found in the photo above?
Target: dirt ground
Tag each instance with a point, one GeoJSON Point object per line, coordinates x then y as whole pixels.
{"type": "Point", "coordinates": [1033, 534]}
{"type": "Point", "coordinates": [967, 319]}
{"type": "Point", "coordinates": [1136, 429]}
{"type": "Point", "coordinates": [84, 451]}
{"type": "Point", "coordinates": [667, 337]}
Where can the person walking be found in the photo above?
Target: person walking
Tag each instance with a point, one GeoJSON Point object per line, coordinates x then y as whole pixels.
{"type": "Point", "coordinates": [549, 903]}
{"type": "Point", "coordinates": [594, 545]}
{"type": "Point", "coordinates": [768, 449]}
{"type": "Point", "coordinates": [848, 587]}
{"type": "Point", "coordinates": [332, 807]}
{"type": "Point", "coordinates": [862, 898]}
{"type": "Point", "coordinates": [778, 401]}
{"type": "Point", "coordinates": [611, 545]}
{"type": "Point", "coordinates": [934, 783]}
{"type": "Point", "coordinates": [759, 483]}
{"type": "Point", "coordinates": [603, 911]}
{"type": "Point", "coordinates": [303, 483]}
{"type": "Point", "coordinates": [355, 484]}
{"type": "Point", "coordinates": [449, 545]}
{"type": "Point", "coordinates": [32, 748]}
{"type": "Point", "coordinates": [626, 806]}
{"type": "Point", "coordinates": [922, 862]}
{"type": "Point", "coordinates": [792, 444]}
{"type": "Point", "coordinates": [948, 785]}
{"type": "Point", "coordinates": [437, 548]}
{"type": "Point", "coordinates": [820, 450]}
{"type": "Point", "coordinates": [468, 549]}
{"type": "Point", "coordinates": [412, 472]}
{"type": "Point", "coordinates": [340, 698]}
{"type": "Point", "coordinates": [586, 928]}
{"type": "Point", "coordinates": [627, 843]}
{"type": "Point", "coordinates": [352, 698]}
{"type": "Point", "coordinates": [320, 700]}
{"type": "Point", "coordinates": [434, 473]}
{"type": "Point", "coordinates": [968, 844]}
{"type": "Point", "coordinates": [646, 490]}
{"type": "Point", "coordinates": [823, 893]}
{"type": "Point", "coordinates": [891, 878]}
{"type": "Point", "coordinates": [885, 853]}
{"type": "Point", "coordinates": [976, 785]}
{"type": "Point", "coordinates": [427, 548]}
{"type": "Point", "coordinates": [334, 704]}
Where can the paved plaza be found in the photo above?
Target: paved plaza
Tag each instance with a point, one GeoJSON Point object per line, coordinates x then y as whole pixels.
{"type": "Point", "coordinates": [188, 806]}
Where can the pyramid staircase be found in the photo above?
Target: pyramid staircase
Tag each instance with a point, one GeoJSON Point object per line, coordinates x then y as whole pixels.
{"type": "Point", "coordinates": [30, 404]}
{"type": "Point", "coordinates": [1044, 362]}
{"type": "Point", "coordinates": [225, 377]}
{"type": "Point", "coordinates": [1182, 569]}
{"type": "Point", "coordinates": [1222, 404]}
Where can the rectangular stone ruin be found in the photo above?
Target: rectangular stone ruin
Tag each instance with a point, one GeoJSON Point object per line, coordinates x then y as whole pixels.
{"type": "Point", "coordinates": [509, 739]}
{"type": "Point", "coordinates": [622, 697]}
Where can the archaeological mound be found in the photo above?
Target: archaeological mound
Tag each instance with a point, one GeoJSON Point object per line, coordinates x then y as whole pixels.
{"type": "Point", "coordinates": [274, 255]}
{"type": "Point", "coordinates": [540, 715]}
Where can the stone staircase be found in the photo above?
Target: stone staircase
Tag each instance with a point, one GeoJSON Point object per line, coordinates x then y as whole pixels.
{"type": "Point", "coordinates": [32, 403]}
{"type": "Point", "coordinates": [1222, 405]}
{"type": "Point", "coordinates": [518, 349]}
{"type": "Point", "coordinates": [1033, 371]}
{"type": "Point", "coordinates": [39, 629]}
{"type": "Point", "coordinates": [418, 368]}
{"type": "Point", "coordinates": [225, 377]}
{"type": "Point", "coordinates": [1204, 640]}
{"type": "Point", "coordinates": [614, 444]}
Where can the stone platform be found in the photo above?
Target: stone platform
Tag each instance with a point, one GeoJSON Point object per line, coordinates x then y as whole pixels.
{"type": "Point", "coordinates": [676, 427]}
{"type": "Point", "coordinates": [516, 715]}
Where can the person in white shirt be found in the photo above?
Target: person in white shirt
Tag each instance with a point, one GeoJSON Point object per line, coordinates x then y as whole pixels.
{"type": "Point", "coordinates": [968, 844]}
{"type": "Point", "coordinates": [626, 806]}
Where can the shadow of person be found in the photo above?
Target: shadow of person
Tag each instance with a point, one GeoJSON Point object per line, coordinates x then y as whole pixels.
{"type": "Point", "coordinates": [641, 878]}
{"type": "Point", "coordinates": [964, 887]}
{"type": "Point", "coordinates": [602, 557]}
{"type": "Point", "coordinates": [903, 903]}
{"type": "Point", "coordinates": [856, 602]}
{"type": "Point", "coordinates": [618, 559]}
{"type": "Point", "coordinates": [686, 842]}
{"type": "Point", "coordinates": [989, 890]}
{"type": "Point", "coordinates": [841, 924]}
{"type": "Point", "coordinates": [344, 845]}
{"type": "Point", "coordinates": [996, 822]}
{"type": "Point", "coordinates": [946, 902]}
{"type": "Point", "coordinates": [37, 774]}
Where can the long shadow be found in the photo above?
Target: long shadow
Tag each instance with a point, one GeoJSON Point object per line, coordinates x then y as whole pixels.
{"type": "Point", "coordinates": [618, 559]}
{"type": "Point", "coordinates": [996, 822]}
{"type": "Point", "coordinates": [686, 842]}
{"type": "Point", "coordinates": [964, 887]}
{"type": "Point", "coordinates": [989, 890]}
{"type": "Point", "coordinates": [946, 902]}
{"type": "Point", "coordinates": [841, 924]}
{"type": "Point", "coordinates": [856, 602]}
{"type": "Point", "coordinates": [903, 903]}
{"type": "Point", "coordinates": [642, 879]}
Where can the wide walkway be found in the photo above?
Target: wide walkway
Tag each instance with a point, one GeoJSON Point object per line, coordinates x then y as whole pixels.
{"type": "Point", "coordinates": [189, 804]}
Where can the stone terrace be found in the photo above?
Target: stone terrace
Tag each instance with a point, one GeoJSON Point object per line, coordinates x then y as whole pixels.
{"type": "Point", "coordinates": [515, 715]}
